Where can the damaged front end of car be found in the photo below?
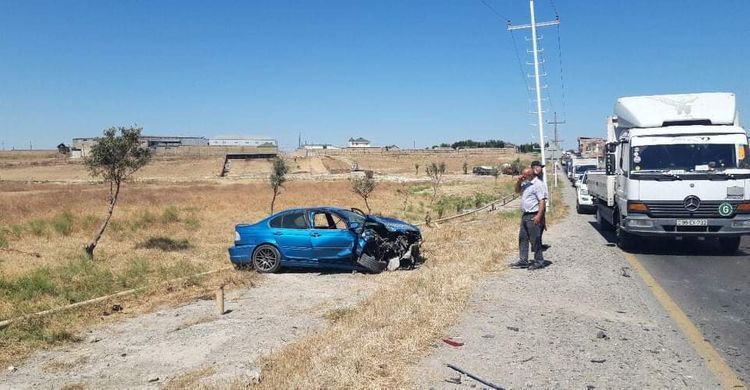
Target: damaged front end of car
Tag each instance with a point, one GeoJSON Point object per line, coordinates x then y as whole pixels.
{"type": "Point", "coordinates": [388, 244]}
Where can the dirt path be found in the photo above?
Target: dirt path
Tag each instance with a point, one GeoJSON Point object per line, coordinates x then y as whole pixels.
{"type": "Point", "coordinates": [578, 323]}
{"type": "Point", "coordinates": [192, 339]}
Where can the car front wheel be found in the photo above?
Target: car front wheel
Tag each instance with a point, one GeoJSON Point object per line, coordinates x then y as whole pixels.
{"type": "Point", "coordinates": [266, 259]}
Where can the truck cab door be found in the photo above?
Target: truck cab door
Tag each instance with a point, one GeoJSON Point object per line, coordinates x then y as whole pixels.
{"type": "Point", "coordinates": [622, 174]}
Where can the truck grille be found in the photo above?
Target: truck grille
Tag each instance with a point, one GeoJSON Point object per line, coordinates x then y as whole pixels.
{"type": "Point", "coordinates": [676, 209]}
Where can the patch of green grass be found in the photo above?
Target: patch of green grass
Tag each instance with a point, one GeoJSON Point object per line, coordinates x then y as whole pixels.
{"type": "Point", "coordinates": [3, 239]}
{"type": "Point", "coordinates": [143, 220]}
{"type": "Point", "coordinates": [88, 221]}
{"type": "Point", "coordinates": [192, 223]}
{"type": "Point", "coordinates": [63, 223]}
{"type": "Point", "coordinates": [38, 227]}
{"type": "Point", "coordinates": [170, 215]}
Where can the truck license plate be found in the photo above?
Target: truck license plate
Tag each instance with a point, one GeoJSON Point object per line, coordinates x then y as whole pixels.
{"type": "Point", "coordinates": [692, 222]}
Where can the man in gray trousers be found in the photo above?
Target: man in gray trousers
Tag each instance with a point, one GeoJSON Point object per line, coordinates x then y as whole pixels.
{"type": "Point", "coordinates": [533, 203]}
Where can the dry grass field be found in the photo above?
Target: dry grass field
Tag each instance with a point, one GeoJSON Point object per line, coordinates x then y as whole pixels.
{"type": "Point", "coordinates": [164, 227]}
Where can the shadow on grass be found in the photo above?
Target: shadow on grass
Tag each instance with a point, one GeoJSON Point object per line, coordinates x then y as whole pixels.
{"type": "Point", "coordinates": [165, 244]}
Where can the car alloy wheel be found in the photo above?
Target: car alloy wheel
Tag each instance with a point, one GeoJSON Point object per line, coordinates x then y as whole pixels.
{"type": "Point", "coordinates": [266, 259]}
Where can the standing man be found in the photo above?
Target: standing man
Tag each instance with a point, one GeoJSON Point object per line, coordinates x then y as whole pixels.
{"type": "Point", "coordinates": [533, 203]}
{"type": "Point", "coordinates": [539, 172]}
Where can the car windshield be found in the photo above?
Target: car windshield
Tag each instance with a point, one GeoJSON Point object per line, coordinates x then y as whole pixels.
{"type": "Point", "coordinates": [584, 168]}
{"type": "Point", "coordinates": [351, 216]}
{"type": "Point", "coordinates": [689, 157]}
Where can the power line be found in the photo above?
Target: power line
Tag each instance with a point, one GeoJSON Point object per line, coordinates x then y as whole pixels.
{"type": "Point", "coordinates": [562, 80]}
{"type": "Point", "coordinates": [520, 67]}
{"type": "Point", "coordinates": [554, 8]}
{"type": "Point", "coordinates": [494, 11]}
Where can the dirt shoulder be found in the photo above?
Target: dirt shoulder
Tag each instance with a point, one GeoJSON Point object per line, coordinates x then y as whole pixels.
{"type": "Point", "coordinates": [191, 343]}
{"type": "Point", "coordinates": [579, 323]}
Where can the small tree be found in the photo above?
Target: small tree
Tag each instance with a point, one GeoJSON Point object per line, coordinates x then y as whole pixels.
{"type": "Point", "coordinates": [363, 186]}
{"type": "Point", "coordinates": [435, 172]}
{"type": "Point", "coordinates": [416, 168]}
{"type": "Point", "coordinates": [114, 158]}
{"type": "Point", "coordinates": [466, 168]}
{"type": "Point", "coordinates": [277, 178]}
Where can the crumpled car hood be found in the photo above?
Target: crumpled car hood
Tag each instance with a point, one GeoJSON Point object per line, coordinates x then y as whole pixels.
{"type": "Point", "coordinates": [393, 224]}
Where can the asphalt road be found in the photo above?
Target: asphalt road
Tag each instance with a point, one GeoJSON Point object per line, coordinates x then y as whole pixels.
{"type": "Point", "coordinates": [713, 290]}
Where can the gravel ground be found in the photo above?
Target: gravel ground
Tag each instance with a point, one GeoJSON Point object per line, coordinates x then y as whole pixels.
{"type": "Point", "coordinates": [175, 341]}
{"type": "Point", "coordinates": [579, 323]}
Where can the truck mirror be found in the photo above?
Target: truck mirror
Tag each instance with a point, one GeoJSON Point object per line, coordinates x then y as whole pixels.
{"type": "Point", "coordinates": [611, 147]}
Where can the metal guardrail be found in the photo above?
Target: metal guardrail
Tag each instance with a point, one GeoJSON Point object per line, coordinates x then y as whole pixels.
{"type": "Point", "coordinates": [502, 202]}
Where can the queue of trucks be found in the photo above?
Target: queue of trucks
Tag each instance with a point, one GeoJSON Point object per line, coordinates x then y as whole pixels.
{"type": "Point", "coordinates": [674, 166]}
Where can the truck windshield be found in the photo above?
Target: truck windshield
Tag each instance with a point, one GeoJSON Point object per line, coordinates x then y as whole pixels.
{"type": "Point", "coordinates": [689, 157]}
{"type": "Point", "coordinates": [584, 168]}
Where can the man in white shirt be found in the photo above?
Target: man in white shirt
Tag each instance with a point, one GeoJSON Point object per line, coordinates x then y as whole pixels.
{"type": "Point", "coordinates": [533, 203]}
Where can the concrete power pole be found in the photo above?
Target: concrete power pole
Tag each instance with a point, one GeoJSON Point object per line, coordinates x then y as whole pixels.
{"type": "Point", "coordinates": [556, 143]}
{"type": "Point", "coordinates": [540, 119]}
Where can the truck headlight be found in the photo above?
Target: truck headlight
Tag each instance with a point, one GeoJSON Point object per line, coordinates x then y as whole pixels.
{"type": "Point", "coordinates": [743, 223]}
{"type": "Point", "coordinates": [237, 237]}
{"type": "Point", "coordinates": [640, 223]}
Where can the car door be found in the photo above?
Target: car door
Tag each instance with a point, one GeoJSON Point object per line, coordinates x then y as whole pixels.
{"type": "Point", "coordinates": [292, 234]}
{"type": "Point", "coordinates": [332, 241]}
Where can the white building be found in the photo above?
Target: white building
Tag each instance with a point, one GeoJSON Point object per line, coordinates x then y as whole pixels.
{"type": "Point", "coordinates": [242, 141]}
{"type": "Point", "coordinates": [358, 143]}
{"type": "Point", "coordinates": [319, 147]}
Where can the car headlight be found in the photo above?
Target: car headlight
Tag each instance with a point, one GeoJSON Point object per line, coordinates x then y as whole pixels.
{"type": "Point", "coordinates": [237, 236]}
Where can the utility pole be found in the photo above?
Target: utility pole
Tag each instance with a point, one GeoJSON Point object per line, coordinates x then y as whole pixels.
{"type": "Point", "coordinates": [556, 143]}
{"type": "Point", "coordinates": [540, 119]}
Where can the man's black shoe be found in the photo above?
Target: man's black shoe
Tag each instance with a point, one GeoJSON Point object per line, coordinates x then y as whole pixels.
{"type": "Point", "coordinates": [520, 264]}
{"type": "Point", "coordinates": [545, 247]}
{"type": "Point", "coordinates": [536, 265]}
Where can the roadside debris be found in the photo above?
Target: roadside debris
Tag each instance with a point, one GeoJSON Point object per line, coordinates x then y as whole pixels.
{"type": "Point", "coordinates": [513, 328]}
{"type": "Point", "coordinates": [598, 360]}
{"type": "Point", "coordinates": [601, 335]}
{"type": "Point", "coordinates": [11, 368]}
{"type": "Point", "coordinates": [476, 378]}
{"type": "Point", "coordinates": [453, 342]}
{"type": "Point", "coordinates": [625, 272]}
{"type": "Point", "coordinates": [255, 376]}
{"type": "Point", "coordinates": [153, 379]}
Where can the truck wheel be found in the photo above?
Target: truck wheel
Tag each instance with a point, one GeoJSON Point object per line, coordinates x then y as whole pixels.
{"type": "Point", "coordinates": [603, 224]}
{"type": "Point", "coordinates": [729, 245]}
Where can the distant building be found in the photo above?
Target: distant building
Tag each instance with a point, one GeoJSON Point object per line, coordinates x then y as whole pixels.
{"type": "Point", "coordinates": [319, 147]}
{"type": "Point", "coordinates": [172, 142]}
{"type": "Point", "coordinates": [591, 147]}
{"type": "Point", "coordinates": [63, 149]}
{"type": "Point", "coordinates": [358, 143]}
{"type": "Point", "coordinates": [242, 141]}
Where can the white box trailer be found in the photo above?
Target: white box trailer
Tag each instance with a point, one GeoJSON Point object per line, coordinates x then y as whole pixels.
{"type": "Point", "coordinates": [676, 166]}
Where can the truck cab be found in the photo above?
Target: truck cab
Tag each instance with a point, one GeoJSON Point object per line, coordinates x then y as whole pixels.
{"type": "Point", "coordinates": [677, 166]}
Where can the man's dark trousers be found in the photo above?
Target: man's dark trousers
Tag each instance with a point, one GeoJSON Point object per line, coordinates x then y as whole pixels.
{"type": "Point", "coordinates": [530, 233]}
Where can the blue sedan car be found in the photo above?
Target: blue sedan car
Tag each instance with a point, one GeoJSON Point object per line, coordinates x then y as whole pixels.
{"type": "Point", "coordinates": [326, 237]}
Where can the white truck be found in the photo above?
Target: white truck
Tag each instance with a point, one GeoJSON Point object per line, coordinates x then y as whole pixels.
{"type": "Point", "coordinates": [579, 166]}
{"type": "Point", "coordinates": [676, 166]}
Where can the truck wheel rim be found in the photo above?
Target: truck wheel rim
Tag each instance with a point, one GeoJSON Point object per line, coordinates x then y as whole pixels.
{"type": "Point", "coordinates": [265, 259]}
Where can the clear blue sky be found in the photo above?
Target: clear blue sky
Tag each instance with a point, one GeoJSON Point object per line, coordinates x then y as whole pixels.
{"type": "Point", "coordinates": [392, 71]}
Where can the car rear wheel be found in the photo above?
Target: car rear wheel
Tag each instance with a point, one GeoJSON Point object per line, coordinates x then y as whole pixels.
{"type": "Point", "coordinates": [729, 245]}
{"type": "Point", "coordinates": [266, 259]}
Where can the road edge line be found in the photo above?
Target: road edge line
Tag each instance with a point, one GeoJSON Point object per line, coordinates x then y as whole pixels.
{"type": "Point", "coordinates": [715, 362]}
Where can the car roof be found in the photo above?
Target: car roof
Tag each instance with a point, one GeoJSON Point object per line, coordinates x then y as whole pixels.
{"type": "Point", "coordinates": [323, 208]}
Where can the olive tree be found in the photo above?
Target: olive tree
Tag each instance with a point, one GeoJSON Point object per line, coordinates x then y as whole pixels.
{"type": "Point", "coordinates": [277, 178]}
{"type": "Point", "coordinates": [114, 157]}
{"type": "Point", "coordinates": [435, 172]}
{"type": "Point", "coordinates": [363, 186]}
